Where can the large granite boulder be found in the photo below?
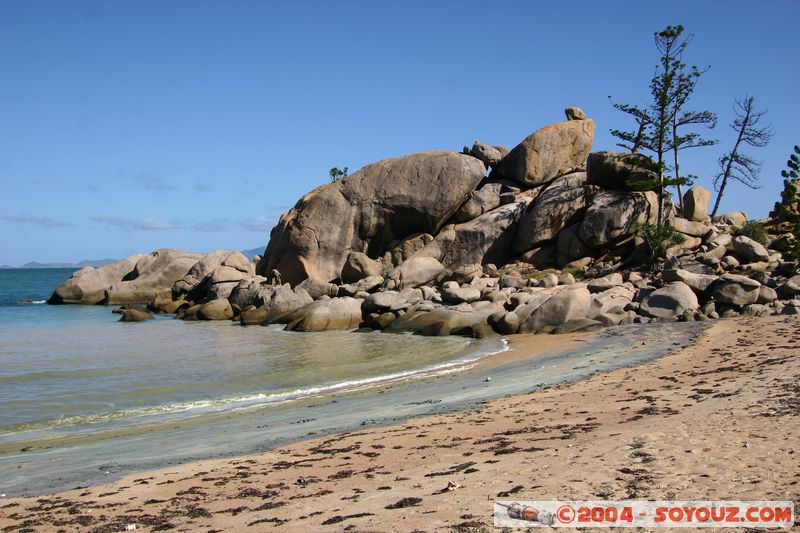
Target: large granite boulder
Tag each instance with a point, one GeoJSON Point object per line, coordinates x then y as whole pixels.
{"type": "Point", "coordinates": [381, 301]}
{"type": "Point", "coordinates": [368, 284]}
{"type": "Point", "coordinates": [220, 283]}
{"type": "Point", "coordinates": [209, 262]}
{"type": "Point", "coordinates": [688, 227]}
{"type": "Point", "coordinates": [483, 240]}
{"type": "Point", "coordinates": [137, 279]}
{"type": "Point", "coordinates": [401, 250]}
{"type": "Point", "coordinates": [488, 154]}
{"type": "Point", "coordinates": [620, 171]}
{"type": "Point", "coordinates": [385, 201]}
{"type": "Point", "coordinates": [219, 309]}
{"type": "Point", "coordinates": [253, 291]}
{"type": "Point", "coordinates": [695, 203]}
{"type": "Point", "coordinates": [484, 199]}
{"type": "Point", "coordinates": [670, 301]}
{"type": "Point", "coordinates": [699, 283]}
{"type": "Point", "coordinates": [790, 288]}
{"type": "Point", "coordinates": [548, 153]}
{"type": "Point", "coordinates": [560, 205]}
{"type": "Point", "coordinates": [88, 285]}
{"type": "Point", "coordinates": [442, 321]}
{"type": "Point", "coordinates": [736, 290]}
{"type": "Point", "coordinates": [318, 289]}
{"type": "Point", "coordinates": [605, 283]}
{"type": "Point", "coordinates": [611, 301]}
{"type": "Point", "coordinates": [324, 315]}
{"type": "Point", "coordinates": [736, 219]}
{"type": "Point", "coordinates": [225, 268]}
{"type": "Point", "coordinates": [418, 270]}
{"type": "Point", "coordinates": [453, 294]}
{"type": "Point", "coordinates": [575, 113]}
{"type": "Point", "coordinates": [569, 245]}
{"type": "Point", "coordinates": [359, 266]}
{"type": "Point", "coordinates": [614, 215]}
{"type": "Point", "coordinates": [563, 304]}
{"type": "Point", "coordinates": [285, 299]}
{"type": "Point", "coordinates": [749, 250]}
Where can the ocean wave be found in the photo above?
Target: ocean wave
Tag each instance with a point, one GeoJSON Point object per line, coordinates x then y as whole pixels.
{"type": "Point", "coordinates": [249, 401]}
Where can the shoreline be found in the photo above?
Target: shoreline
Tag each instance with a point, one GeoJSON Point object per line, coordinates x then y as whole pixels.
{"type": "Point", "coordinates": [532, 362]}
{"type": "Point", "coordinates": [717, 419]}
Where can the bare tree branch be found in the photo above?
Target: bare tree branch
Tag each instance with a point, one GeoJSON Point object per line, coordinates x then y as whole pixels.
{"type": "Point", "coordinates": [736, 165]}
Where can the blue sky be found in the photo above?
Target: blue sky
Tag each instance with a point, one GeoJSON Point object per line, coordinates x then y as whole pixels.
{"type": "Point", "coordinates": [129, 126]}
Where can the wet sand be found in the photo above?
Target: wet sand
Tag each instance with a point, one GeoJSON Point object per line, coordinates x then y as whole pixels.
{"type": "Point", "coordinates": [717, 419]}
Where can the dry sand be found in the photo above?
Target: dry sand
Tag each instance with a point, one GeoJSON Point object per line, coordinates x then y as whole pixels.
{"type": "Point", "coordinates": [719, 419]}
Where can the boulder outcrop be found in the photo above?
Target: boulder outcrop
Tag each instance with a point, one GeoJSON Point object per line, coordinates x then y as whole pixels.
{"type": "Point", "coordinates": [88, 285]}
{"type": "Point", "coordinates": [559, 205]}
{"type": "Point", "coordinates": [417, 271]}
{"type": "Point", "coordinates": [548, 153]}
{"type": "Point", "coordinates": [384, 201]}
{"type": "Point", "coordinates": [429, 244]}
{"type": "Point", "coordinates": [614, 215]}
{"type": "Point", "coordinates": [737, 290]}
{"type": "Point", "coordinates": [484, 199]}
{"type": "Point", "coordinates": [324, 315]}
{"type": "Point", "coordinates": [620, 171]}
{"type": "Point", "coordinates": [670, 301]}
{"type": "Point", "coordinates": [486, 239]}
{"type": "Point", "coordinates": [136, 279]}
{"type": "Point", "coordinates": [359, 266]}
{"type": "Point", "coordinates": [695, 203]}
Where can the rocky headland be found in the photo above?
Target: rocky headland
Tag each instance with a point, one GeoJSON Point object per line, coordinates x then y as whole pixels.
{"type": "Point", "coordinates": [542, 238]}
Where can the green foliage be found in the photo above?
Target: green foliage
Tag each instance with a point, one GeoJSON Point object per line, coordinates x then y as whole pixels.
{"type": "Point", "coordinates": [789, 244]}
{"type": "Point", "coordinates": [788, 208]}
{"type": "Point", "coordinates": [652, 184]}
{"type": "Point", "coordinates": [336, 173]}
{"type": "Point", "coordinates": [660, 124]}
{"type": "Point", "coordinates": [577, 273]}
{"type": "Point", "coordinates": [659, 238]}
{"type": "Point", "coordinates": [754, 230]}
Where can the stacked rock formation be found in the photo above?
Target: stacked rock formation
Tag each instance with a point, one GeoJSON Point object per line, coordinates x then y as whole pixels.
{"type": "Point", "coordinates": [540, 238]}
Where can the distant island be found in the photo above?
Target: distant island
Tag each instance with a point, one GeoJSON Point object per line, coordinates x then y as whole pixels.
{"type": "Point", "coordinates": [87, 262]}
{"type": "Point", "coordinates": [97, 263]}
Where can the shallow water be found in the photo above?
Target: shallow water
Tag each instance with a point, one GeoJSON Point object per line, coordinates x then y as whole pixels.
{"type": "Point", "coordinates": [85, 399]}
{"type": "Point", "coordinates": [72, 369]}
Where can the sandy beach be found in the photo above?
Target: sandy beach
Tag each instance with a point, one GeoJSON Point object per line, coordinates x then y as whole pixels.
{"type": "Point", "coordinates": [718, 419]}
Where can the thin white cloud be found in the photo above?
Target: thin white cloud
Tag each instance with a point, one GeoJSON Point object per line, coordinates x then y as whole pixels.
{"type": "Point", "coordinates": [146, 223]}
{"type": "Point", "coordinates": [35, 220]}
{"type": "Point", "coordinates": [152, 182]}
{"type": "Point", "coordinates": [257, 223]}
{"type": "Point", "coordinates": [211, 226]}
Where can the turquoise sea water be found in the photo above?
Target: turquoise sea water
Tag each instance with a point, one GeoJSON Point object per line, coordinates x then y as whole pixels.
{"type": "Point", "coordinates": [71, 369]}
{"type": "Point", "coordinates": [85, 398]}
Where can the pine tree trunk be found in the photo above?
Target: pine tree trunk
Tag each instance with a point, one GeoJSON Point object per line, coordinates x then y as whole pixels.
{"type": "Point", "coordinates": [677, 166]}
{"type": "Point", "coordinates": [719, 196]}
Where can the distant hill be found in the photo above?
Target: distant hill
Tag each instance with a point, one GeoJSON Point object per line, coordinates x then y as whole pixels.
{"type": "Point", "coordinates": [250, 254]}
{"type": "Point", "coordinates": [88, 262]}
{"type": "Point", "coordinates": [100, 262]}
